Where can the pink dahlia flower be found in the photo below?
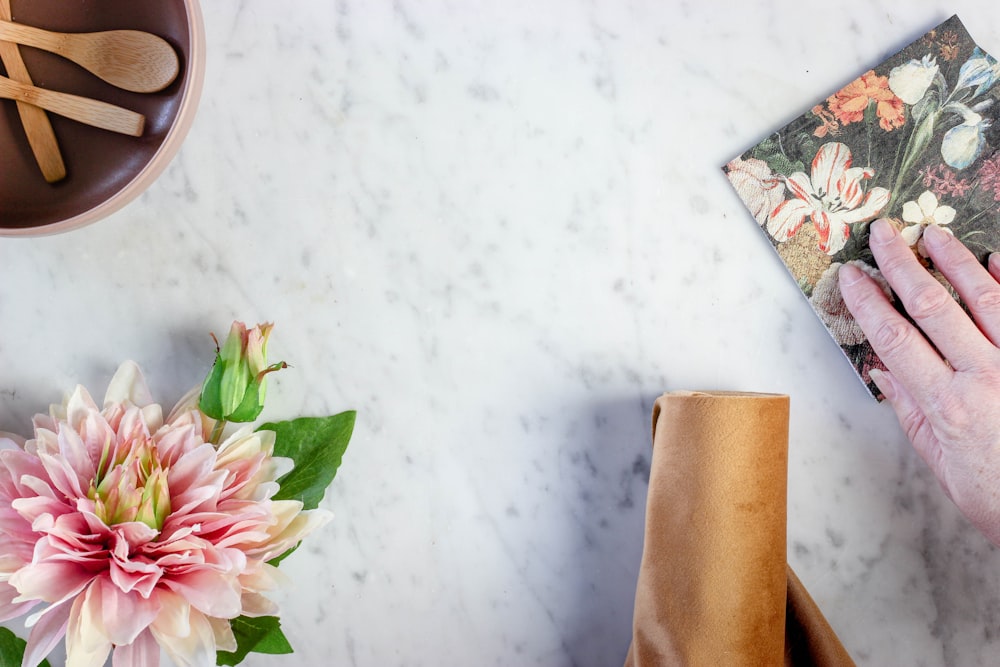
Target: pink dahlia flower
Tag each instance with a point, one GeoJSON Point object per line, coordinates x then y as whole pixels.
{"type": "Point", "coordinates": [124, 531]}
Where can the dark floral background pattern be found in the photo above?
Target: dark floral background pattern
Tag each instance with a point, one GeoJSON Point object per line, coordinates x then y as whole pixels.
{"type": "Point", "coordinates": [913, 141]}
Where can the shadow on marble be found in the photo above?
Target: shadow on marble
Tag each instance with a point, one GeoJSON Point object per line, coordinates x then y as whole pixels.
{"type": "Point", "coordinates": [605, 469]}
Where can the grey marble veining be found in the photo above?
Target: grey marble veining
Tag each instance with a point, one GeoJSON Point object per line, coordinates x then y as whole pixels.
{"type": "Point", "coordinates": [499, 231]}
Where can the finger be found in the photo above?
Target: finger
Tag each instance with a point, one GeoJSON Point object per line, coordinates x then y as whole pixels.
{"type": "Point", "coordinates": [913, 421]}
{"type": "Point", "coordinates": [978, 289]}
{"type": "Point", "coordinates": [900, 346]}
{"type": "Point", "coordinates": [927, 301]}
{"type": "Point", "coordinates": [993, 264]}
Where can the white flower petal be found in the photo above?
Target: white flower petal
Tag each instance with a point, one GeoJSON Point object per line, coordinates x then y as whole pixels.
{"type": "Point", "coordinates": [911, 80]}
{"type": "Point", "coordinates": [86, 645]}
{"type": "Point", "coordinates": [944, 215]}
{"type": "Point", "coordinates": [787, 218]}
{"type": "Point", "coordinates": [831, 160]}
{"type": "Point", "coordinates": [927, 203]}
{"type": "Point", "coordinates": [128, 385]}
{"type": "Point", "coordinates": [911, 213]}
{"type": "Point", "coordinates": [912, 234]}
{"type": "Point", "coordinates": [874, 203]}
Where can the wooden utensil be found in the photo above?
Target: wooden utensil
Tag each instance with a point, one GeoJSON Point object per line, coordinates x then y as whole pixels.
{"type": "Point", "coordinates": [36, 124]}
{"type": "Point", "coordinates": [81, 109]}
{"type": "Point", "coordinates": [132, 60]}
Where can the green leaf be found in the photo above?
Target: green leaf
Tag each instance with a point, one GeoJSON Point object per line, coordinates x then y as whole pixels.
{"type": "Point", "coordinates": [211, 399]}
{"type": "Point", "coordinates": [317, 446]}
{"type": "Point", "coordinates": [12, 649]}
{"type": "Point", "coordinates": [277, 560]}
{"type": "Point", "coordinates": [258, 635]}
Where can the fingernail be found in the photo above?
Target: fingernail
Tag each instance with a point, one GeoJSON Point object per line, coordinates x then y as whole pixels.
{"type": "Point", "coordinates": [883, 382]}
{"type": "Point", "coordinates": [935, 237]}
{"type": "Point", "coordinates": [849, 275]}
{"type": "Point", "coordinates": [882, 232]}
{"type": "Point", "coordinates": [994, 263]}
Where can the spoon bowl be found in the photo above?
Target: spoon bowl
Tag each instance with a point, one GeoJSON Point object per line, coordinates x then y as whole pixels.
{"type": "Point", "coordinates": [133, 60]}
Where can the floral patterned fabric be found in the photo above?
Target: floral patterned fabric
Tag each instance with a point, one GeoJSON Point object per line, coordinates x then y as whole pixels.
{"type": "Point", "coordinates": [913, 140]}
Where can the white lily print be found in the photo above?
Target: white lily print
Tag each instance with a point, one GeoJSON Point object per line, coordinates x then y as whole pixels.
{"type": "Point", "coordinates": [832, 196]}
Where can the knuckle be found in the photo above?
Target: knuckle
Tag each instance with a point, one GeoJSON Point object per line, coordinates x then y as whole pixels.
{"type": "Point", "coordinates": [985, 301]}
{"type": "Point", "coordinates": [892, 336]}
{"type": "Point", "coordinates": [894, 260]}
{"type": "Point", "coordinates": [927, 300]}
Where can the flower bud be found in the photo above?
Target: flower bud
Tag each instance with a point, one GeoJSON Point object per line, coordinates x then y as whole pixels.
{"type": "Point", "coordinates": [234, 390]}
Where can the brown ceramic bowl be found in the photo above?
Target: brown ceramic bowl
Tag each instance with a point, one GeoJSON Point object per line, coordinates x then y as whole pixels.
{"type": "Point", "coordinates": [104, 170]}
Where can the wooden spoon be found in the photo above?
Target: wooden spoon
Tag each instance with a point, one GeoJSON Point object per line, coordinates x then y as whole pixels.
{"type": "Point", "coordinates": [133, 60]}
{"type": "Point", "coordinates": [81, 109]}
{"type": "Point", "coordinates": [37, 128]}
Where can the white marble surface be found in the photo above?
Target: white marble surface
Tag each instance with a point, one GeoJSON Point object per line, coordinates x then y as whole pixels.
{"type": "Point", "coordinates": [499, 231]}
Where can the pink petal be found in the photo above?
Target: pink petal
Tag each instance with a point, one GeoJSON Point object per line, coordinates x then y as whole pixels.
{"type": "Point", "coordinates": [79, 405]}
{"type": "Point", "coordinates": [193, 469]}
{"type": "Point", "coordinates": [225, 640]}
{"type": "Point", "coordinates": [49, 628]}
{"type": "Point", "coordinates": [174, 619]}
{"type": "Point", "coordinates": [61, 472]}
{"type": "Point", "coordinates": [143, 652]}
{"type": "Point", "coordinates": [86, 645]}
{"type": "Point", "coordinates": [256, 605]}
{"type": "Point", "coordinates": [135, 576]}
{"type": "Point", "coordinates": [188, 402]}
{"type": "Point", "coordinates": [125, 614]}
{"type": "Point", "coordinates": [50, 581]}
{"type": "Point", "coordinates": [208, 592]}
{"type": "Point", "coordinates": [10, 609]}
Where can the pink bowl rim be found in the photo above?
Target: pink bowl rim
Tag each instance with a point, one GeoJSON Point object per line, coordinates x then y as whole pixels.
{"type": "Point", "coordinates": [164, 154]}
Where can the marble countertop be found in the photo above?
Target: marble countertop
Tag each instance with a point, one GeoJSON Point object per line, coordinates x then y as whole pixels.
{"type": "Point", "coordinates": [499, 231]}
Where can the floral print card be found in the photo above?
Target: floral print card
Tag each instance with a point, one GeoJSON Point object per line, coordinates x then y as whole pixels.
{"type": "Point", "coordinates": [912, 140]}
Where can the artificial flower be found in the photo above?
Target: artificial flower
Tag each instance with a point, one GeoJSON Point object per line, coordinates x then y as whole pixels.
{"type": "Point", "coordinates": [235, 389]}
{"type": "Point", "coordinates": [911, 80]}
{"type": "Point", "coordinates": [850, 102]}
{"type": "Point", "coordinates": [829, 304]}
{"type": "Point", "coordinates": [981, 71]}
{"type": "Point", "coordinates": [963, 143]}
{"type": "Point", "coordinates": [128, 532]}
{"type": "Point", "coordinates": [832, 196]}
{"type": "Point", "coordinates": [757, 185]}
{"type": "Point", "coordinates": [921, 213]}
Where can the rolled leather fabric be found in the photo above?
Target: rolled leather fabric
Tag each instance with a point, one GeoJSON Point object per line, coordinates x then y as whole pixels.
{"type": "Point", "coordinates": [714, 587]}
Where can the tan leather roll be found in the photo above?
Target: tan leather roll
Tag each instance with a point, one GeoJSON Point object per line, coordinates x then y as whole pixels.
{"type": "Point", "coordinates": [713, 585]}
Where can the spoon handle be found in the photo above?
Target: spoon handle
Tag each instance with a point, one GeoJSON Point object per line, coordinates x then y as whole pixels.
{"type": "Point", "coordinates": [37, 128]}
{"type": "Point", "coordinates": [82, 109]}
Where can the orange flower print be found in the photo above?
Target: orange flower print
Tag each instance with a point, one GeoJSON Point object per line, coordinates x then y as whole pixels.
{"type": "Point", "coordinates": [829, 123]}
{"type": "Point", "coordinates": [849, 103]}
{"type": "Point", "coordinates": [948, 45]}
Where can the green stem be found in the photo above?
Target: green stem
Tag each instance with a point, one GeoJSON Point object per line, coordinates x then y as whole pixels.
{"type": "Point", "coordinates": [915, 147]}
{"type": "Point", "coordinates": [977, 215]}
{"type": "Point", "coordinates": [217, 430]}
{"type": "Point", "coordinates": [869, 112]}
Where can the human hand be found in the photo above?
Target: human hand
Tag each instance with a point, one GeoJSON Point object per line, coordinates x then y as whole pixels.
{"type": "Point", "coordinates": [945, 388]}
